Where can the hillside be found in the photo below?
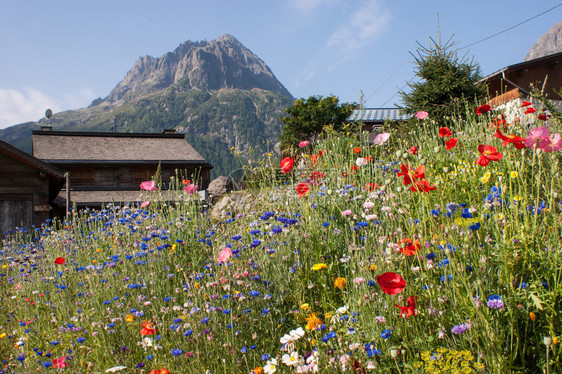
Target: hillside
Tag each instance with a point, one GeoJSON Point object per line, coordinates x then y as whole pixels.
{"type": "Point", "coordinates": [218, 93]}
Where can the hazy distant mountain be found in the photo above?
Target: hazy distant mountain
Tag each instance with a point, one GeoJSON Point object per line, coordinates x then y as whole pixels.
{"type": "Point", "coordinates": [219, 93]}
{"type": "Point", "coordinates": [549, 43]}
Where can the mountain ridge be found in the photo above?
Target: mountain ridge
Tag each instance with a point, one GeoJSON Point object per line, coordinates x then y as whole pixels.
{"type": "Point", "coordinates": [219, 93]}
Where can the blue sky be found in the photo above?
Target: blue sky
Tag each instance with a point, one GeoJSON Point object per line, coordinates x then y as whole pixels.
{"type": "Point", "coordinates": [63, 54]}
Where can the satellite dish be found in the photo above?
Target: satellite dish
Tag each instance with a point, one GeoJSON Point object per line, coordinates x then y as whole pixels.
{"type": "Point", "coordinates": [48, 113]}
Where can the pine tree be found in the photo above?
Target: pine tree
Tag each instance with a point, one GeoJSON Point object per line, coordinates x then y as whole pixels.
{"type": "Point", "coordinates": [446, 82]}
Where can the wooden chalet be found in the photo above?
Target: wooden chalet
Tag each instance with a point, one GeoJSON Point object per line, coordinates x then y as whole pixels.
{"type": "Point", "coordinates": [28, 188]}
{"type": "Point", "coordinates": [514, 82]}
{"type": "Point", "coordinates": [373, 119]}
{"type": "Point", "coordinates": [109, 167]}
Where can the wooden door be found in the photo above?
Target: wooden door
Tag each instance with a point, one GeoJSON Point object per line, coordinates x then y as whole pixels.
{"type": "Point", "coordinates": [15, 212]}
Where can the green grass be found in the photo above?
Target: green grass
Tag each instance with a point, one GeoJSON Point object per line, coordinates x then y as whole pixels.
{"type": "Point", "coordinates": [482, 231]}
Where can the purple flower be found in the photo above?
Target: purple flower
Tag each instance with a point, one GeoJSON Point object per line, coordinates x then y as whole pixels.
{"type": "Point", "coordinates": [459, 329]}
{"type": "Point", "coordinates": [495, 302]}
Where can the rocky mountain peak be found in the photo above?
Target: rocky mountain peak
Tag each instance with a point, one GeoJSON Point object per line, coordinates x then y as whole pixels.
{"type": "Point", "coordinates": [223, 63]}
{"type": "Point", "coordinates": [549, 43]}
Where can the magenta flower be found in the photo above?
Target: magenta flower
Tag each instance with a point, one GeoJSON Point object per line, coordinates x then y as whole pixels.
{"type": "Point", "coordinates": [191, 188]}
{"type": "Point", "coordinates": [553, 144]}
{"type": "Point", "coordinates": [538, 138]}
{"type": "Point", "coordinates": [303, 143]}
{"type": "Point", "coordinates": [148, 186]}
{"type": "Point", "coordinates": [380, 139]}
{"type": "Point", "coordinates": [421, 115]}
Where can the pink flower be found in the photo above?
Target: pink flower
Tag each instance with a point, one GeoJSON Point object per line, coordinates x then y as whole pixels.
{"type": "Point", "coordinates": [346, 213]}
{"type": "Point", "coordinates": [148, 186]}
{"type": "Point", "coordinates": [539, 137]}
{"type": "Point", "coordinates": [380, 139]}
{"type": "Point", "coordinates": [145, 204]}
{"type": "Point", "coordinates": [554, 144]}
{"type": "Point", "coordinates": [361, 161]}
{"type": "Point", "coordinates": [359, 280]}
{"type": "Point", "coordinates": [191, 188]}
{"type": "Point", "coordinates": [421, 115]}
{"type": "Point", "coordinates": [60, 363]}
{"type": "Point", "coordinates": [224, 255]}
{"type": "Point", "coordinates": [303, 143]}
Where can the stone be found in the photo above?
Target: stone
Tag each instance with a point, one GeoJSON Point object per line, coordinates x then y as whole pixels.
{"type": "Point", "coordinates": [220, 186]}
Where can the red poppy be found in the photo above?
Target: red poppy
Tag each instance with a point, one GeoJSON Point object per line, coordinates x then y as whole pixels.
{"type": "Point", "coordinates": [410, 308]}
{"type": "Point", "coordinates": [517, 141]}
{"type": "Point", "coordinates": [500, 120]}
{"type": "Point", "coordinates": [451, 143]}
{"type": "Point", "coordinates": [59, 261]}
{"type": "Point", "coordinates": [526, 103]}
{"type": "Point", "coordinates": [530, 110]}
{"type": "Point", "coordinates": [302, 189]}
{"type": "Point", "coordinates": [186, 181]}
{"type": "Point", "coordinates": [444, 132]}
{"type": "Point", "coordinates": [391, 283]}
{"type": "Point", "coordinates": [422, 186]}
{"type": "Point", "coordinates": [161, 371]}
{"type": "Point", "coordinates": [287, 164]}
{"type": "Point", "coordinates": [408, 247]}
{"type": "Point", "coordinates": [542, 117]}
{"type": "Point", "coordinates": [357, 150]}
{"type": "Point", "coordinates": [148, 329]}
{"type": "Point", "coordinates": [410, 175]}
{"type": "Point", "coordinates": [413, 151]}
{"type": "Point", "coordinates": [369, 158]}
{"type": "Point", "coordinates": [483, 109]}
{"type": "Point", "coordinates": [371, 186]}
{"type": "Point", "coordinates": [488, 153]}
{"type": "Point", "coordinates": [354, 167]}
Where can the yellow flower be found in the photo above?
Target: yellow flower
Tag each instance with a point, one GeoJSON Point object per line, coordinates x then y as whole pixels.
{"type": "Point", "coordinates": [533, 316]}
{"type": "Point", "coordinates": [514, 174]}
{"type": "Point", "coordinates": [484, 180]}
{"type": "Point", "coordinates": [373, 267]}
{"type": "Point", "coordinates": [340, 283]}
{"type": "Point", "coordinates": [319, 266]}
{"type": "Point", "coordinates": [555, 340]}
{"type": "Point", "coordinates": [129, 318]}
{"type": "Point", "coordinates": [304, 306]}
{"type": "Point", "coordinates": [3, 335]}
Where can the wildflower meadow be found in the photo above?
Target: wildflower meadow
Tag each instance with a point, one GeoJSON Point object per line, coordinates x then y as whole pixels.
{"type": "Point", "coordinates": [432, 249]}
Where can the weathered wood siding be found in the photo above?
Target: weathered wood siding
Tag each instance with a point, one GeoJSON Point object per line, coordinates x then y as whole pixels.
{"type": "Point", "coordinates": [24, 195]}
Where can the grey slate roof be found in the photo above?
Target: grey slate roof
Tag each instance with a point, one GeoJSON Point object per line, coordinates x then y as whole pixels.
{"type": "Point", "coordinates": [30, 160]}
{"type": "Point", "coordinates": [61, 146]}
{"type": "Point", "coordinates": [377, 115]}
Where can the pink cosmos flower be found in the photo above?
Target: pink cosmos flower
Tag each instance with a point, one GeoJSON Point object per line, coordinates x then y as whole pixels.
{"type": "Point", "coordinates": [346, 213]}
{"type": "Point", "coordinates": [144, 204]}
{"type": "Point", "coordinates": [224, 255]}
{"type": "Point", "coordinates": [380, 139]}
{"type": "Point", "coordinates": [554, 144]}
{"type": "Point", "coordinates": [539, 137]}
{"type": "Point", "coordinates": [303, 143]}
{"type": "Point", "coordinates": [421, 115]}
{"type": "Point", "coordinates": [148, 186]}
{"type": "Point", "coordinates": [191, 188]}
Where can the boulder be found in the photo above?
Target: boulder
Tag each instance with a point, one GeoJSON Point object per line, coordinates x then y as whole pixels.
{"type": "Point", "coordinates": [220, 186]}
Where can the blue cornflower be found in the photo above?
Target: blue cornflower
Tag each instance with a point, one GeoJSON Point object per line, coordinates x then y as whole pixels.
{"type": "Point", "coordinates": [370, 350]}
{"type": "Point", "coordinates": [386, 334]}
{"type": "Point", "coordinates": [495, 302]}
{"type": "Point", "coordinates": [177, 352]}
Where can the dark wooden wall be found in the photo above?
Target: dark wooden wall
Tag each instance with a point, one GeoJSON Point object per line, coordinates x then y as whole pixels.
{"type": "Point", "coordinates": [24, 195]}
{"type": "Point", "coordinates": [127, 177]}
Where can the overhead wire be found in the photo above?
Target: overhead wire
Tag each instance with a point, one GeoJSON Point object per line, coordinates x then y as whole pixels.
{"type": "Point", "coordinates": [465, 47]}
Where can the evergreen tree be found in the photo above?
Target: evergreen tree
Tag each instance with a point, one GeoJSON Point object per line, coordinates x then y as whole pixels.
{"type": "Point", "coordinates": [445, 83]}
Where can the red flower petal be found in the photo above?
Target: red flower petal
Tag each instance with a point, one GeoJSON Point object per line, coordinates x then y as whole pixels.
{"type": "Point", "coordinates": [451, 143]}
{"type": "Point", "coordinates": [391, 283]}
{"type": "Point", "coordinates": [444, 132]}
{"type": "Point", "coordinates": [59, 260]}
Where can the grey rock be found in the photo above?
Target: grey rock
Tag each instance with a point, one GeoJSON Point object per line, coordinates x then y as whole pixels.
{"type": "Point", "coordinates": [548, 44]}
{"type": "Point", "coordinates": [220, 186]}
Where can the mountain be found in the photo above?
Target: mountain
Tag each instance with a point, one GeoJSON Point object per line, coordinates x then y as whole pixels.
{"type": "Point", "coordinates": [549, 43]}
{"type": "Point", "coordinates": [219, 93]}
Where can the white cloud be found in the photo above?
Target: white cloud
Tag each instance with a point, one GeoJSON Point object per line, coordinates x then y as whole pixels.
{"type": "Point", "coordinates": [30, 104]}
{"type": "Point", "coordinates": [365, 25]}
